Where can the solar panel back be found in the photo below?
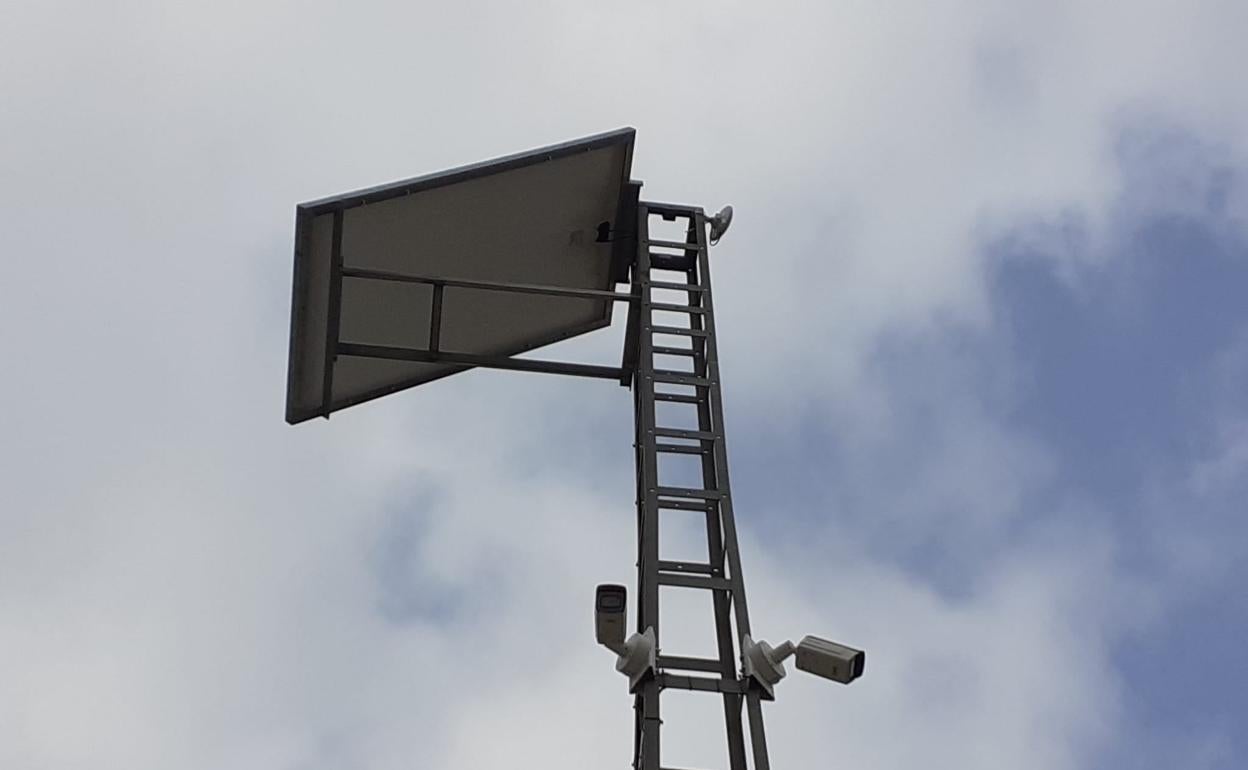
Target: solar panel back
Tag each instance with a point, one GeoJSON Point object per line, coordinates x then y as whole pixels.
{"type": "Point", "coordinates": [531, 218]}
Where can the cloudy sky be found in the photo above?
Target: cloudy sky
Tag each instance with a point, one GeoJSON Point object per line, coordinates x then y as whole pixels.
{"type": "Point", "coordinates": [984, 345]}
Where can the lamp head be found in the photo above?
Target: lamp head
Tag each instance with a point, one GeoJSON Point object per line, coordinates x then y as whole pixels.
{"type": "Point", "coordinates": [719, 224]}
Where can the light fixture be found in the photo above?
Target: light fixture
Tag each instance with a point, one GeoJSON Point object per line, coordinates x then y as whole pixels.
{"type": "Point", "coordinates": [719, 224]}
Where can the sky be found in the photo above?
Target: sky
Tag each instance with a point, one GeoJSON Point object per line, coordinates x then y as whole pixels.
{"type": "Point", "coordinates": [983, 345]}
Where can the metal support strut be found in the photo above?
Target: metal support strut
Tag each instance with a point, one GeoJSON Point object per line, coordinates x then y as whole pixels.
{"type": "Point", "coordinates": [681, 290]}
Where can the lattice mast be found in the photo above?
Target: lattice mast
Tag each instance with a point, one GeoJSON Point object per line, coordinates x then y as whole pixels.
{"type": "Point", "coordinates": [693, 385]}
{"type": "Point", "coordinates": [400, 285]}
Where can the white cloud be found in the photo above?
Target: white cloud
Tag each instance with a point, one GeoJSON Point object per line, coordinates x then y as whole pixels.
{"type": "Point", "coordinates": [185, 582]}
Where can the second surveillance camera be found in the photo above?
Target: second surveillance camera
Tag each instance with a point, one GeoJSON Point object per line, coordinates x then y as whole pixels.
{"type": "Point", "coordinates": [610, 616]}
{"type": "Point", "coordinates": [830, 660]}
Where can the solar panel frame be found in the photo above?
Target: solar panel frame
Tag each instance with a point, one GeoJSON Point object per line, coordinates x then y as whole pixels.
{"type": "Point", "coordinates": [320, 226]}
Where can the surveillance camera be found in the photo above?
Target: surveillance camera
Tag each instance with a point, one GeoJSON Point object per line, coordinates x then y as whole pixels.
{"type": "Point", "coordinates": [610, 617]}
{"type": "Point", "coordinates": [830, 660]}
{"type": "Point", "coordinates": [638, 655]}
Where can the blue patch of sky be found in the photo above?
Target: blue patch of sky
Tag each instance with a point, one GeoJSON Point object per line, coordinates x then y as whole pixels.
{"type": "Point", "coordinates": [1119, 365]}
{"type": "Point", "coordinates": [407, 591]}
{"type": "Point", "coordinates": [1120, 383]}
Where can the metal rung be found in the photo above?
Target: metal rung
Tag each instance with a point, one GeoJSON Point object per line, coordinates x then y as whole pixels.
{"type": "Point", "coordinates": [699, 494]}
{"type": "Point", "coordinates": [691, 567]}
{"type": "Point", "coordinates": [672, 244]}
{"type": "Point", "coordinates": [664, 350]}
{"type": "Point", "coordinates": [685, 663]}
{"type": "Point", "coordinates": [673, 308]}
{"type": "Point", "coordinates": [698, 435]}
{"type": "Point", "coordinates": [673, 210]}
{"type": "Point", "coordinates": [695, 581]}
{"type": "Point", "coordinates": [686, 505]}
{"type": "Point", "coordinates": [678, 330]}
{"type": "Point", "coordinates": [676, 373]}
{"type": "Point", "coordinates": [677, 286]}
{"type": "Point", "coordinates": [679, 398]}
{"type": "Point", "coordinates": [680, 449]}
{"type": "Point", "coordinates": [680, 378]}
{"type": "Point", "coordinates": [678, 263]}
{"type": "Point", "coordinates": [702, 683]}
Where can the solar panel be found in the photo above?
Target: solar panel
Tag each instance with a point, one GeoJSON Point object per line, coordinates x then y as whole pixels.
{"type": "Point", "coordinates": [407, 267]}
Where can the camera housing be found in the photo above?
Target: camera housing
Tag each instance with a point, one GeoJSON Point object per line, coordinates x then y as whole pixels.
{"type": "Point", "coordinates": [611, 617]}
{"type": "Point", "coordinates": [829, 659]}
{"type": "Point", "coordinates": [637, 654]}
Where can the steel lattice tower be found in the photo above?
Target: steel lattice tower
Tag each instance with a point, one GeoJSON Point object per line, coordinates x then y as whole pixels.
{"type": "Point", "coordinates": [400, 285]}
{"type": "Point", "coordinates": [695, 386]}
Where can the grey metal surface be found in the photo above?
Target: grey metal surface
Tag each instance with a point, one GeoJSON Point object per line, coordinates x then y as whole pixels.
{"type": "Point", "coordinates": [531, 218]}
{"type": "Point", "coordinates": [648, 739]}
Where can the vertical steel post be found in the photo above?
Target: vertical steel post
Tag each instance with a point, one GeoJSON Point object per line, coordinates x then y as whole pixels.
{"type": "Point", "coordinates": [647, 479]}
